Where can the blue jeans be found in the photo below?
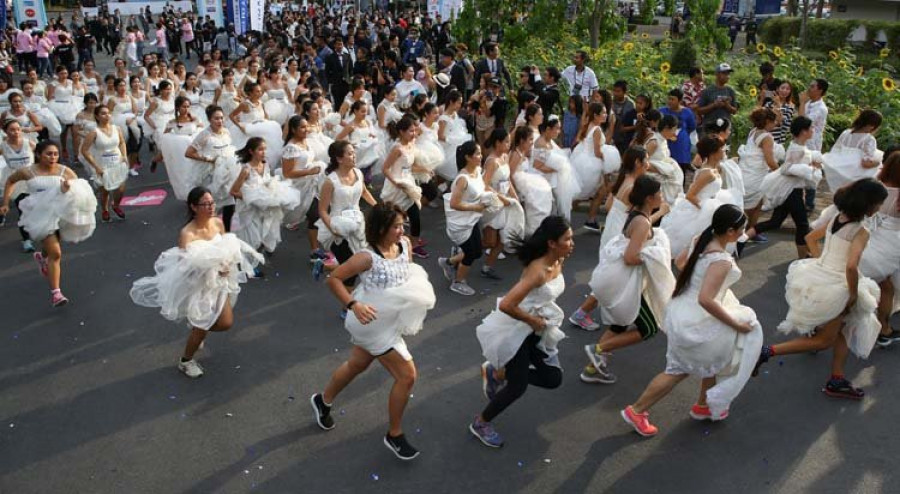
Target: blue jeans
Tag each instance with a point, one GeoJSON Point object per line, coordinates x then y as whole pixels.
{"type": "Point", "coordinates": [42, 65]}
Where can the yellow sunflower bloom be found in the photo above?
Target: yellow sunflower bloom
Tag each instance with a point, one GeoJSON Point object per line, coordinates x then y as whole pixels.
{"type": "Point", "coordinates": [628, 46]}
{"type": "Point", "coordinates": [618, 62]}
{"type": "Point", "coordinates": [778, 52]}
{"type": "Point", "coordinates": [645, 36]}
{"type": "Point", "coordinates": [888, 84]}
{"type": "Point", "coordinates": [842, 64]}
{"type": "Point", "coordinates": [833, 54]}
{"type": "Point", "coordinates": [665, 67]}
{"type": "Point", "coordinates": [859, 72]}
{"type": "Point", "coordinates": [884, 52]}
{"type": "Point", "coordinates": [760, 48]}
{"type": "Point", "coordinates": [753, 91]}
{"type": "Point", "coordinates": [639, 63]}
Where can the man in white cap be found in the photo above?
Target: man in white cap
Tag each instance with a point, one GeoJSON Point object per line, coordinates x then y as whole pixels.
{"type": "Point", "coordinates": [718, 101]}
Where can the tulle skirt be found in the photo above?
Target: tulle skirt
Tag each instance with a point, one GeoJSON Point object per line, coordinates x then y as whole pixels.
{"type": "Point", "coordinates": [279, 110]}
{"type": "Point", "coordinates": [670, 176]}
{"type": "Point", "coordinates": [195, 283]}
{"type": "Point", "coordinates": [308, 187]}
{"type": "Point", "coordinates": [115, 170]}
{"type": "Point", "coordinates": [501, 336]}
{"type": "Point", "coordinates": [269, 130]}
{"type": "Point", "coordinates": [615, 222]}
{"type": "Point", "coordinates": [51, 210]}
{"type": "Point", "coordinates": [429, 155]}
{"type": "Point", "coordinates": [881, 257]}
{"type": "Point", "coordinates": [318, 144]}
{"type": "Point", "coordinates": [404, 198]}
{"type": "Point", "coordinates": [261, 211]}
{"type": "Point", "coordinates": [589, 169]}
{"type": "Point", "coordinates": [618, 287]}
{"type": "Point", "coordinates": [50, 122]}
{"type": "Point", "coordinates": [701, 345]}
{"type": "Point", "coordinates": [566, 187]}
{"type": "Point", "coordinates": [685, 221]}
{"type": "Point", "coordinates": [817, 295]}
{"type": "Point", "coordinates": [844, 166]}
{"type": "Point", "coordinates": [401, 312]}
{"type": "Point", "coordinates": [66, 111]}
{"type": "Point", "coordinates": [225, 172]}
{"type": "Point", "coordinates": [184, 173]}
{"type": "Point", "coordinates": [508, 220]}
{"type": "Point", "coordinates": [348, 226]}
{"type": "Point", "coordinates": [537, 197]}
{"type": "Point", "coordinates": [455, 135]}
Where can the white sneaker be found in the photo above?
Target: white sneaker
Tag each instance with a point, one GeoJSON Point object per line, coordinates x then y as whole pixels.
{"type": "Point", "coordinates": [133, 172]}
{"type": "Point", "coordinates": [190, 369]}
{"type": "Point", "coordinates": [462, 288]}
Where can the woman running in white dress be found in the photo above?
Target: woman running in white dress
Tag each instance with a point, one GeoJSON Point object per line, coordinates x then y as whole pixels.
{"type": "Point", "coordinates": [501, 225]}
{"type": "Point", "coordinates": [215, 162]}
{"type": "Point", "coordinates": [61, 100]}
{"type": "Point", "coordinates": [855, 153]}
{"type": "Point", "coordinates": [390, 302]}
{"type": "Point", "coordinates": [160, 111]}
{"type": "Point", "coordinates": [249, 119]}
{"type": "Point", "coordinates": [59, 206]}
{"type": "Point", "coordinates": [759, 156]}
{"type": "Point", "coordinates": [662, 166]}
{"type": "Point", "coordinates": [300, 167]}
{"type": "Point", "coordinates": [18, 153]}
{"type": "Point", "coordinates": [400, 186]}
{"type": "Point", "coordinates": [199, 280]}
{"type": "Point", "coordinates": [531, 187]}
{"type": "Point", "coordinates": [710, 334]}
{"type": "Point", "coordinates": [279, 106]}
{"type": "Point", "coordinates": [361, 133]}
{"type": "Point", "coordinates": [173, 144]}
{"type": "Point", "coordinates": [226, 95]}
{"type": "Point", "coordinates": [85, 123]}
{"type": "Point", "coordinates": [318, 141]}
{"type": "Point", "coordinates": [519, 338]}
{"type": "Point", "coordinates": [593, 159]}
{"type": "Point", "coordinates": [29, 122]}
{"type": "Point", "coordinates": [551, 161]}
{"type": "Point", "coordinates": [123, 108]}
{"type": "Point", "coordinates": [452, 133]}
{"type": "Point", "coordinates": [105, 152]}
{"type": "Point", "coordinates": [829, 303]}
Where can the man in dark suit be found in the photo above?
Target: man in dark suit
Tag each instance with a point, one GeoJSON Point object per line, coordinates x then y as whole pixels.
{"type": "Point", "coordinates": [454, 71]}
{"type": "Point", "coordinates": [492, 64]}
{"type": "Point", "coordinates": [338, 67]}
{"type": "Point", "coordinates": [548, 93]}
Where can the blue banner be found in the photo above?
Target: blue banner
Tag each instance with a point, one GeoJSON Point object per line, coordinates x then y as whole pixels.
{"type": "Point", "coordinates": [212, 9]}
{"type": "Point", "coordinates": [2, 12]}
{"type": "Point", "coordinates": [30, 11]}
{"type": "Point", "coordinates": [238, 14]}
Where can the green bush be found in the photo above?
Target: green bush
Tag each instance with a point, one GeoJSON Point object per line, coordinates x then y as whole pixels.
{"type": "Point", "coordinates": [826, 34]}
{"type": "Point", "coordinates": [684, 57]}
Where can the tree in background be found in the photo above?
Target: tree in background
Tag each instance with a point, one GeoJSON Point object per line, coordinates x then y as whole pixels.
{"type": "Point", "coordinates": [702, 29]}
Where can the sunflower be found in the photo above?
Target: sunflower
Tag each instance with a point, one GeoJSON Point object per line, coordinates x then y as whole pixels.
{"type": "Point", "coordinates": [618, 62]}
{"type": "Point", "coordinates": [760, 48]}
{"type": "Point", "coordinates": [888, 84]}
{"type": "Point", "coordinates": [639, 63]}
{"type": "Point", "coordinates": [833, 54]}
{"type": "Point", "coordinates": [842, 64]}
{"type": "Point", "coordinates": [665, 67]}
{"type": "Point", "coordinates": [628, 46]}
{"type": "Point", "coordinates": [645, 36]}
{"type": "Point", "coordinates": [859, 72]}
{"type": "Point", "coordinates": [884, 52]}
{"type": "Point", "coordinates": [753, 91]}
{"type": "Point", "coordinates": [778, 52]}
{"type": "Point", "coordinates": [645, 75]}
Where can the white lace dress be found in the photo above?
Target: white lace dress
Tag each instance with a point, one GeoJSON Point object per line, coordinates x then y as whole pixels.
{"type": "Point", "coordinates": [279, 106]}
{"type": "Point", "coordinates": [685, 220]}
{"type": "Point", "coordinates": [701, 345]}
{"type": "Point", "coordinates": [461, 223]}
{"type": "Point", "coordinates": [455, 133]}
{"type": "Point", "coordinates": [562, 179]}
{"type": "Point", "coordinates": [194, 284]}
{"type": "Point", "coordinates": [265, 198]}
{"type": "Point", "coordinates": [668, 171]}
{"type": "Point", "coordinates": [588, 168]}
{"type": "Point", "coordinates": [219, 176]}
{"type": "Point", "coordinates": [258, 125]}
{"type": "Point", "coordinates": [401, 171]}
{"type": "Point", "coordinates": [48, 209]}
{"type": "Point", "coordinates": [347, 220]}
{"type": "Point", "coordinates": [183, 173]}
{"type": "Point", "coordinates": [510, 219]}
{"type": "Point", "coordinates": [816, 293]}
{"type": "Point", "coordinates": [307, 186]}
{"type": "Point", "coordinates": [754, 168]}
{"type": "Point", "coordinates": [401, 293]}
{"type": "Point", "coordinates": [535, 193]}
{"type": "Point", "coordinates": [501, 336]}
{"type": "Point", "coordinates": [65, 105]}
{"type": "Point", "coordinates": [108, 156]}
{"type": "Point", "coordinates": [843, 165]}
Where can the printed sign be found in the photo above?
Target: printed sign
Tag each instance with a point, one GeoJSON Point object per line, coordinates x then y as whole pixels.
{"type": "Point", "coordinates": [153, 197]}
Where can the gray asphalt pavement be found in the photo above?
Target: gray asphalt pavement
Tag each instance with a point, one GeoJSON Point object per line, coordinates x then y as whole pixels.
{"type": "Point", "coordinates": [92, 401]}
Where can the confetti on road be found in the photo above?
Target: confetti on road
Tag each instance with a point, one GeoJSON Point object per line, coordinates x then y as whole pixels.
{"type": "Point", "coordinates": [547, 460]}
{"type": "Point", "coordinates": [520, 464]}
{"type": "Point", "coordinates": [229, 414]}
{"type": "Point", "coordinates": [375, 476]}
{"type": "Point", "coordinates": [172, 397]}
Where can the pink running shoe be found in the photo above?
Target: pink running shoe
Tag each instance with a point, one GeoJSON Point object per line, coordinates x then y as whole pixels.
{"type": "Point", "coordinates": [42, 264]}
{"type": "Point", "coordinates": [57, 299]}
{"type": "Point", "coordinates": [702, 413]}
{"type": "Point", "coordinates": [640, 422]}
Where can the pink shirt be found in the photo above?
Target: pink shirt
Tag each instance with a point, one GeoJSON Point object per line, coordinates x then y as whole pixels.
{"type": "Point", "coordinates": [24, 41]}
{"type": "Point", "coordinates": [187, 31]}
{"type": "Point", "coordinates": [161, 38]}
{"type": "Point", "coordinates": [53, 36]}
{"type": "Point", "coordinates": [44, 46]}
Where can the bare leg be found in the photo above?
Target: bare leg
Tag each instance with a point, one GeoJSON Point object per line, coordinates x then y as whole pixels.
{"type": "Point", "coordinates": [357, 363]}
{"type": "Point", "coordinates": [223, 323]}
{"type": "Point", "coordinates": [839, 357]}
{"type": "Point", "coordinates": [753, 218]}
{"type": "Point", "coordinates": [104, 200]}
{"type": "Point", "coordinates": [658, 388]}
{"type": "Point", "coordinates": [462, 271]}
{"type": "Point", "coordinates": [886, 305]}
{"type": "Point", "coordinates": [705, 384]}
{"type": "Point", "coordinates": [597, 201]}
{"type": "Point", "coordinates": [590, 303]}
{"type": "Point", "coordinates": [52, 252]}
{"type": "Point", "coordinates": [823, 339]}
{"type": "Point", "coordinates": [313, 237]}
{"type": "Point", "coordinates": [404, 373]}
{"type": "Point", "coordinates": [614, 341]}
{"type": "Point", "coordinates": [117, 195]}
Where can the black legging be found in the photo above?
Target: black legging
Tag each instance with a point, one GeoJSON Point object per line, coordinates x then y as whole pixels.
{"type": "Point", "coordinates": [794, 207]}
{"type": "Point", "coordinates": [430, 190]}
{"type": "Point", "coordinates": [519, 376]}
{"type": "Point", "coordinates": [342, 252]}
{"type": "Point", "coordinates": [312, 215]}
{"type": "Point", "coordinates": [472, 247]}
{"type": "Point", "coordinates": [415, 221]}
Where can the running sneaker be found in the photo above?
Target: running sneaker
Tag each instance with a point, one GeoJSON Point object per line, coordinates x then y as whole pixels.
{"type": "Point", "coordinates": [462, 288]}
{"type": "Point", "coordinates": [258, 273]}
{"type": "Point", "coordinates": [584, 321]}
{"type": "Point", "coordinates": [400, 447]}
{"type": "Point", "coordinates": [343, 315]}
{"type": "Point", "coordinates": [485, 433]}
{"type": "Point", "coordinates": [490, 273]}
{"type": "Point", "coordinates": [489, 382]}
{"type": "Point", "coordinates": [759, 238]}
{"type": "Point", "coordinates": [842, 388]}
{"type": "Point", "coordinates": [119, 212]}
{"type": "Point", "coordinates": [422, 242]}
{"type": "Point", "coordinates": [104, 217]}
{"type": "Point", "coordinates": [600, 363]}
{"type": "Point", "coordinates": [590, 375]}
{"type": "Point", "coordinates": [318, 269]}
{"type": "Point", "coordinates": [57, 299]}
{"type": "Point", "coordinates": [702, 413]}
{"type": "Point", "coordinates": [592, 226]}
{"type": "Point", "coordinates": [317, 254]}
{"type": "Point", "coordinates": [133, 172]}
{"type": "Point", "coordinates": [640, 422]}
{"type": "Point", "coordinates": [27, 246]}
{"type": "Point", "coordinates": [292, 227]}
{"type": "Point", "coordinates": [764, 355]}
{"type": "Point", "coordinates": [420, 252]}
{"type": "Point", "coordinates": [885, 341]}
{"type": "Point", "coordinates": [190, 369]}
{"type": "Point", "coordinates": [42, 263]}
{"type": "Point", "coordinates": [322, 412]}
{"type": "Point", "coordinates": [448, 269]}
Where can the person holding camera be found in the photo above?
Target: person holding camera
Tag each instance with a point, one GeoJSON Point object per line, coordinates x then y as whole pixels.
{"type": "Point", "coordinates": [581, 79]}
{"type": "Point", "coordinates": [719, 100]}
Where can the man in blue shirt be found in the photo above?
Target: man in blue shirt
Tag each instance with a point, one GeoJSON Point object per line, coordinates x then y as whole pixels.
{"type": "Point", "coordinates": [412, 47]}
{"type": "Point", "coordinates": [680, 149]}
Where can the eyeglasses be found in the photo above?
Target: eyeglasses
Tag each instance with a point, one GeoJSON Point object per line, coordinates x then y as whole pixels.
{"type": "Point", "coordinates": [206, 204]}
